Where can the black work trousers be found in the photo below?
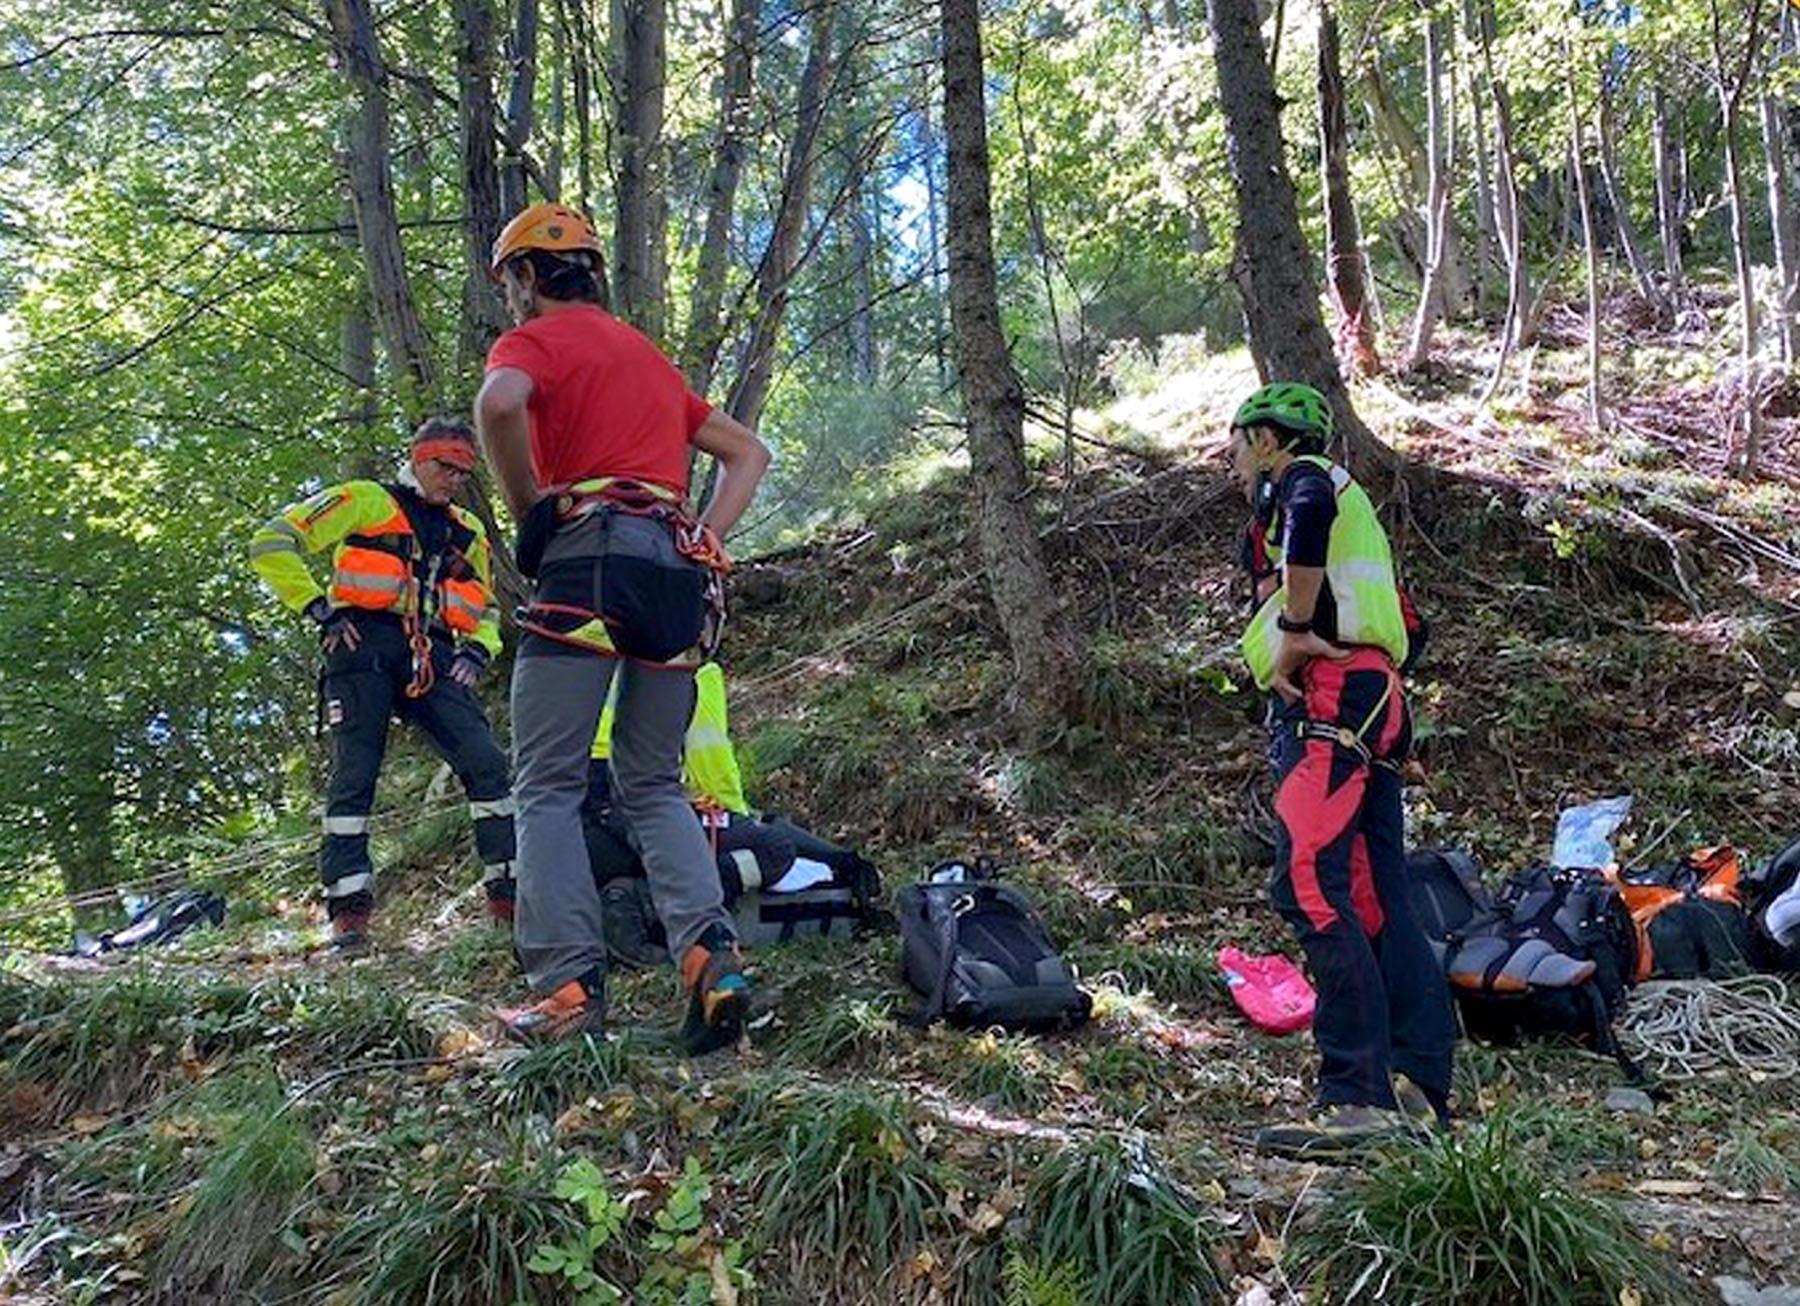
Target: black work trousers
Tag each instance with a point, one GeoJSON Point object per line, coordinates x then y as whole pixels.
{"type": "Point", "coordinates": [365, 688]}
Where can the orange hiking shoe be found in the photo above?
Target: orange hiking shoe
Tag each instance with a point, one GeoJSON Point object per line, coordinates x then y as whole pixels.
{"type": "Point", "coordinates": [712, 972]}
{"type": "Point", "coordinates": [576, 1008]}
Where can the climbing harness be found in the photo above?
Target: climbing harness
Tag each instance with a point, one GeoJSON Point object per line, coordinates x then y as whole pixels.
{"type": "Point", "coordinates": [693, 540]}
{"type": "Point", "coordinates": [1352, 740]}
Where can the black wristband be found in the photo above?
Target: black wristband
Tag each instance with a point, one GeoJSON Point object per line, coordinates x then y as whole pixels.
{"type": "Point", "coordinates": [1292, 627]}
{"type": "Point", "coordinates": [320, 609]}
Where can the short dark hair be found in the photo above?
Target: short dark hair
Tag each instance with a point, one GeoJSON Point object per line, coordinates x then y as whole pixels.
{"type": "Point", "coordinates": [441, 427]}
{"type": "Point", "coordinates": [578, 275]}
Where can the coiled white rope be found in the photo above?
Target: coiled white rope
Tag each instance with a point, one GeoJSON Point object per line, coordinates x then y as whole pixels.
{"type": "Point", "coordinates": [1685, 1028]}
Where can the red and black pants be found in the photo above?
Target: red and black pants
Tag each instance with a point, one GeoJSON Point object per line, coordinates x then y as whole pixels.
{"type": "Point", "coordinates": [1340, 880]}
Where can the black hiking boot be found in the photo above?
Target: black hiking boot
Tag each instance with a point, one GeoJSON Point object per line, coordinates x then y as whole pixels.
{"type": "Point", "coordinates": [1335, 1133]}
{"type": "Point", "coordinates": [712, 972]}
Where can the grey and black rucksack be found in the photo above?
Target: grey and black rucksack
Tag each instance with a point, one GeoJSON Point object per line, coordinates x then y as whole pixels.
{"type": "Point", "coordinates": [978, 954]}
{"type": "Point", "coordinates": [1549, 954]}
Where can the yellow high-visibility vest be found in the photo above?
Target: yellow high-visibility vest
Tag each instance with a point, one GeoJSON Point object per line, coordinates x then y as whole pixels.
{"type": "Point", "coordinates": [1360, 568]}
{"type": "Point", "coordinates": [709, 768]}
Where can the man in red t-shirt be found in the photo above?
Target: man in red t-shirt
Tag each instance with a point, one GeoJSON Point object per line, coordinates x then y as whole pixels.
{"type": "Point", "coordinates": [588, 427]}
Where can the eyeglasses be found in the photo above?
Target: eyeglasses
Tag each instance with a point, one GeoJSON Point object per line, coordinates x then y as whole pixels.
{"type": "Point", "coordinates": [451, 469]}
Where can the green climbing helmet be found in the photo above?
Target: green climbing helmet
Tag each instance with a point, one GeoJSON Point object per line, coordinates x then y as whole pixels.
{"type": "Point", "coordinates": [1291, 405]}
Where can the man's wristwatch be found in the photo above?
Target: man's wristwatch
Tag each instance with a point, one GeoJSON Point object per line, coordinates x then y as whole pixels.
{"type": "Point", "coordinates": [1292, 627]}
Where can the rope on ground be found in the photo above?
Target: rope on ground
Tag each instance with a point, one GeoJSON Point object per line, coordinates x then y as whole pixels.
{"type": "Point", "coordinates": [1685, 1028]}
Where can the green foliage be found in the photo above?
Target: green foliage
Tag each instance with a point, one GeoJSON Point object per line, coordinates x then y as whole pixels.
{"type": "Point", "coordinates": [572, 1259]}
{"type": "Point", "coordinates": [547, 1079]}
{"type": "Point", "coordinates": [458, 1232]}
{"type": "Point", "coordinates": [838, 1179]}
{"type": "Point", "coordinates": [350, 1018]}
{"type": "Point", "coordinates": [1761, 1156]}
{"type": "Point", "coordinates": [1477, 1219]}
{"type": "Point", "coordinates": [1030, 1282]}
{"type": "Point", "coordinates": [1007, 1071]}
{"type": "Point", "coordinates": [1108, 1209]}
{"type": "Point", "coordinates": [843, 1030]}
{"type": "Point", "coordinates": [240, 1217]}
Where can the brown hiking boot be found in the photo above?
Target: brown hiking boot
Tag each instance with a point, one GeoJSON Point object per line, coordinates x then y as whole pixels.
{"type": "Point", "coordinates": [1336, 1132]}
{"type": "Point", "coordinates": [712, 972]}
{"type": "Point", "coordinates": [1416, 1105]}
{"type": "Point", "coordinates": [573, 1009]}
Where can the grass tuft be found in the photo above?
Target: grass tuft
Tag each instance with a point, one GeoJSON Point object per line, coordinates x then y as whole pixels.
{"type": "Point", "coordinates": [1478, 1220]}
{"type": "Point", "coordinates": [238, 1222]}
{"type": "Point", "coordinates": [844, 1031]}
{"type": "Point", "coordinates": [1006, 1071]}
{"type": "Point", "coordinates": [547, 1079]}
{"type": "Point", "coordinates": [460, 1234]}
{"type": "Point", "coordinates": [840, 1183]}
{"type": "Point", "coordinates": [1109, 1210]}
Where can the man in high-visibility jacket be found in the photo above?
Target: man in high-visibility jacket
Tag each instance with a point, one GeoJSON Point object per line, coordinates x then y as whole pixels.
{"type": "Point", "coordinates": [1327, 642]}
{"type": "Point", "coordinates": [408, 623]}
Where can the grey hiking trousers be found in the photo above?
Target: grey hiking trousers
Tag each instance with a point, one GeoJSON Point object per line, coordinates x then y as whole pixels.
{"type": "Point", "coordinates": [556, 702]}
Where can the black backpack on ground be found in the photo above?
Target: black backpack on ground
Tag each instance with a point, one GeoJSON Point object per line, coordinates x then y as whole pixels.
{"type": "Point", "coordinates": [1690, 917]}
{"type": "Point", "coordinates": [1550, 954]}
{"type": "Point", "coordinates": [1773, 880]}
{"type": "Point", "coordinates": [978, 954]}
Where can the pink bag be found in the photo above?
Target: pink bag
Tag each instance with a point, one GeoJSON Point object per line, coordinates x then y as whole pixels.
{"type": "Point", "coordinates": [1270, 990]}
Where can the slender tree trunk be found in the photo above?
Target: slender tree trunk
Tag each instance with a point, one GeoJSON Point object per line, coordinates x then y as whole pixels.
{"type": "Point", "coordinates": [774, 274]}
{"type": "Point", "coordinates": [1578, 167]}
{"type": "Point", "coordinates": [372, 196]}
{"type": "Point", "coordinates": [484, 317]}
{"type": "Point", "coordinates": [581, 69]}
{"type": "Point", "coordinates": [640, 63]}
{"type": "Point", "coordinates": [1784, 224]}
{"type": "Point", "coordinates": [863, 363]}
{"type": "Point", "coordinates": [1619, 203]}
{"type": "Point", "coordinates": [521, 55]}
{"type": "Point", "coordinates": [934, 237]}
{"type": "Point", "coordinates": [1046, 646]}
{"type": "Point", "coordinates": [1508, 213]}
{"type": "Point", "coordinates": [1346, 271]}
{"type": "Point", "coordinates": [1437, 189]}
{"type": "Point", "coordinates": [1668, 198]}
{"type": "Point", "coordinates": [1731, 86]}
{"type": "Point", "coordinates": [1273, 267]}
{"type": "Point", "coordinates": [706, 327]}
{"type": "Point", "coordinates": [1393, 128]}
{"type": "Point", "coordinates": [1487, 233]}
{"type": "Point", "coordinates": [559, 71]}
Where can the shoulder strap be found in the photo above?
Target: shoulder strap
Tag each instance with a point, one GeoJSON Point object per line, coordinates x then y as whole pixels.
{"type": "Point", "coordinates": [933, 1007]}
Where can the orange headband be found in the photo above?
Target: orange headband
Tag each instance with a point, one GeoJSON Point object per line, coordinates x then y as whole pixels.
{"type": "Point", "coordinates": [458, 453]}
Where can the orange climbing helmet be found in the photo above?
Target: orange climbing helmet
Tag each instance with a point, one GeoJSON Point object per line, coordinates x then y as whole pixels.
{"type": "Point", "coordinates": [554, 228]}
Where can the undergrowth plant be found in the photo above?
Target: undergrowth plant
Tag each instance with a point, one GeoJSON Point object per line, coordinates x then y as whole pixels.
{"type": "Point", "coordinates": [1478, 1220]}
{"type": "Point", "coordinates": [549, 1078]}
{"type": "Point", "coordinates": [844, 1030]}
{"type": "Point", "coordinates": [838, 1179]}
{"type": "Point", "coordinates": [238, 1220]}
{"type": "Point", "coordinates": [1007, 1071]}
{"type": "Point", "coordinates": [1110, 1211]}
{"type": "Point", "coordinates": [457, 1232]}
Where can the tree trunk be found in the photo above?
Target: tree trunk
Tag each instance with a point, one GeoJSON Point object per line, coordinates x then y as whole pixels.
{"type": "Point", "coordinates": [1487, 232]}
{"type": "Point", "coordinates": [356, 356]}
{"type": "Point", "coordinates": [484, 316]}
{"type": "Point", "coordinates": [1392, 127]}
{"type": "Point", "coordinates": [1437, 189]}
{"type": "Point", "coordinates": [1668, 196]}
{"type": "Point", "coordinates": [1509, 217]}
{"type": "Point", "coordinates": [706, 327]}
{"type": "Point", "coordinates": [582, 69]}
{"type": "Point", "coordinates": [1582, 197]}
{"type": "Point", "coordinates": [1346, 271]}
{"type": "Point", "coordinates": [1273, 267]}
{"type": "Point", "coordinates": [932, 150]}
{"type": "Point", "coordinates": [639, 72]}
{"type": "Point", "coordinates": [863, 364]}
{"type": "Point", "coordinates": [521, 55]}
{"type": "Point", "coordinates": [776, 271]}
{"type": "Point", "coordinates": [1046, 647]}
{"type": "Point", "coordinates": [1731, 97]}
{"type": "Point", "coordinates": [1618, 202]}
{"type": "Point", "coordinates": [1784, 224]}
{"type": "Point", "coordinates": [559, 69]}
{"type": "Point", "coordinates": [372, 196]}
